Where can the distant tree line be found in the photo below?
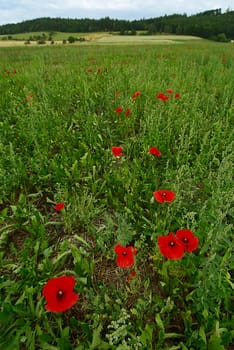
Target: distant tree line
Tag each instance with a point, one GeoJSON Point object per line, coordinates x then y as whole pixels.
{"type": "Point", "coordinates": [212, 24]}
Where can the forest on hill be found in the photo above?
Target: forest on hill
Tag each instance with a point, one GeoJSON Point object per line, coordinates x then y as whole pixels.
{"type": "Point", "coordinates": [212, 24]}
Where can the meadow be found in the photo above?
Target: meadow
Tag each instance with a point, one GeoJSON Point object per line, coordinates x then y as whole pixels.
{"type": "Point", "coordinates": [116, 197]}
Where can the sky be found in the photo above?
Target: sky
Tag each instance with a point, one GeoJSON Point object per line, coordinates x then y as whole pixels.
{"type": "Point", "coordinates": [15, 11]}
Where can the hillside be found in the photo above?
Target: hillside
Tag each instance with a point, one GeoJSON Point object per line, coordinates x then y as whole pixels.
{"type": "Point", "coordinates": [211, 24]}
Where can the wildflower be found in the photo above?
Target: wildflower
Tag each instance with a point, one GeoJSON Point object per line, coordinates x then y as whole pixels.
{"type": "Point", "coordinates": [119, 109]}
{"type": "Point", "coordinates": [128, 111]}
{"type": "Point", "coordinates": [125, 256]}
{"type": "Point", "coordinates": [136, 94]}
{"type": "Point", "coordinates": [131, 276]}
{"type": "Point", "coordinates": [177, 95]}
{"type": "Point", "coordinates": [116, 95]}
{"type": "Point", "coordinates": [7, 72]}
{"type": "Point", "coordinates": [117, 151]}
{"type": "Point", "coordinates": [169, 91]}
{"type": "Point", "coordinates": [187, 239]}
{"type": "Point", "coordinates": [154, 151]}
{"type": "Point", "coordinates": [59, 206]}
{"type": "Point", "coordinates": [162, 97]}
{"type": "Point", "coordinates": [99, 70]}
{"type": "Point", "coordinates": [59, 294]}
{"type": "Point", "coordinates": [29, 97]}
{"type": "Point", "coordinates": [90, 70]}
{"type": "Point", "coordinates": [14, 71]}
{"type": "Point", "coordinates": [170, 246]}
{"type": "Point", "coordinates": [162, 196]}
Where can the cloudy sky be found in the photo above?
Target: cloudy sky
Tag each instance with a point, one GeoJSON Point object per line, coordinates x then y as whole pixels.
{"type": "Point", "coordinates": [13, 11]}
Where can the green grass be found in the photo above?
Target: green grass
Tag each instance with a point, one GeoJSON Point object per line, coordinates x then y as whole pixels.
{"type": "Point", "coordinates": [55, 146]}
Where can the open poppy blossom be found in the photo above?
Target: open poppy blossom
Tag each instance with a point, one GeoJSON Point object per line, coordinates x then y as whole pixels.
{"type": "Point", "coordinates": [59, 293]}
{"type": "Point", "coordinates": [125, 256]}
{"type": "Point", "coordinates": [119, 109]}
{"type": "Point", "coordinates": [59, 206]}
{"type": "Point", "coordinates": [154, 151]}
{"type": "Point", "coordinates": [162, 196]}
{"type": "Point", "coordinates": [170, 246]}
{"type": "Point", "coordinates": [177, 95]}
{"type": "Point", "coordinates": [187, 239]}
{"type": "Point", "coordinates": [117, 151]}
{"type": "Point", "coordinates": [162, 97]}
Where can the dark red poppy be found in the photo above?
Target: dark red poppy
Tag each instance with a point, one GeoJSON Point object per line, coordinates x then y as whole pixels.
{"type": "Point", "coordinates": [125, 256]}
{"type": "Point", "coordinates": [128, 112]}
{"type": "Point", "coordinates": [14, 71]}
{"type": "Point", "coordinates": [99, 70]}
{"type": "Point", "coordinates": [59, 293]}
{"type": "Point", "coordinates": [59, 206]}
{"type": "Point", "coordinates": [223, 58]}
{"type": "Point", "coordinates": [154, 151]}
{"type": "Point", "coordinates": [90, 70]}
{"type": "Point", "coordinates": [177, 95]}
{"type": "Point", "coordinates": [170, 246]}
{"type": "Point", "coordinates": [162, 196]}
{"type": "Point", "coordinates": [117, 151]}
{"type": "Point", "coordinates": [119, 109]}
{"type": "Point", "coordinates": [187, 239]}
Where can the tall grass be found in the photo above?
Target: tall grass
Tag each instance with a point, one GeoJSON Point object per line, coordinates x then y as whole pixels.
{"type": "Point", "coordinates": [57, 126]}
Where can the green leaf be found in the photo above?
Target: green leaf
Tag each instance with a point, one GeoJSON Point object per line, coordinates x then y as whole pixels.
{"type": "Point", "coordinates": [215, 343]}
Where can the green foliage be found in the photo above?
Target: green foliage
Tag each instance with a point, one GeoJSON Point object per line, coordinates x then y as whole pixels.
{"type": "Point", "coordinates": [58, 124]}
{"type": "Point", "coordinates": [207, 24]}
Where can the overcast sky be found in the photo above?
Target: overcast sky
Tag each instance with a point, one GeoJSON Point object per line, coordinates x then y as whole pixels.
{"type": "Point", "coordinates": [14, 11]}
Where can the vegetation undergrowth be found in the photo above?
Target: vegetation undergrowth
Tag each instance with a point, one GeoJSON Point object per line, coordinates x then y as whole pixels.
{"type": "Point", "coordinates": [88, 137]}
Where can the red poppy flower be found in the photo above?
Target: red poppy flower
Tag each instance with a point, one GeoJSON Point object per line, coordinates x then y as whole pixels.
{"type": "Point", "coordinates": [162, 97]}
{"type": "Point", "coordinates": [125, 256]}
{"type": "Point", "coordinates": [119, 109]}
{"type": "Point", "coordinates": [59, 293]}
{"type": "Point", "coordinates": [7, 72]}
{"type": "Point", "coordinates": [177, 95]}
{"type": "Point", "coordinates": [131, 276]}
{"type": "Point", "coordinates": [99, 70]}
{"type": "Point", "coordinates": [117, 151]}
{"type": "Point", "coordinates": [128, 111]}
{"type": "Point", "coordinates": [170, 246]}
{"type": "Point", "coordinates": [59, 206]}
{"type": "Point", "coordinates": [154, 151]}
{"type": "Point", "coordinates": [187, 239]}
{"type": "Point", "coordinates": [136, 94]}
{"type": "Point", "coordinates": [162, 196]}
{"type": "Point", "coordinates": [89, 70]}
{"type": "Point", "coordinates": [169, 91]}
{"type": "Point", "coordinates": [14, 71]}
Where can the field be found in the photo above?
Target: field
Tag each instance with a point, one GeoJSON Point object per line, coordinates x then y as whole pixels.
{"type": "Point", "coordinates": [97, 38]}
{"type": "Point", "coordinates": [116, 197]}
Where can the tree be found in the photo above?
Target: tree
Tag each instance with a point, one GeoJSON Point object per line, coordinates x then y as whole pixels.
{"type": "Point", "coordinates": [71, 39]}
